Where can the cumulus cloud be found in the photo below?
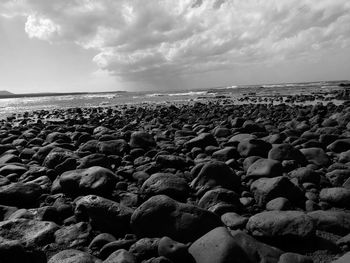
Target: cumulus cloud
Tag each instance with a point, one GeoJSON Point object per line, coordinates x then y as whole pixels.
{"type": "Point", "coordinates": [138, 40]}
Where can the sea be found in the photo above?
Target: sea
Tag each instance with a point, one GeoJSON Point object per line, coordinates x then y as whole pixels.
{"type": "Point", "coordinates": [19, 106]}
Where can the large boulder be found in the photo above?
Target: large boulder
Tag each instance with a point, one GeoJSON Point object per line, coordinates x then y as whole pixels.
{"type": "Point", "coordinates": [266, 189]}
{"type": "Point", "coordinates": [336, 196]}
{"type": "Point", "coordinates": [337, 222]}
{"type": "Point", "coordinates": [264, 168]}
{"type": "Point", "coordinates": [73, 255]}
{"type": "Point", "coordinates": [20, 194]}
{"type": "Point", "coordinates": [316, 156]}
{"type": "Point", "coordinates": [93, 180]}
{"type": "Point", "coordinates": [217, 246]}
{"type": "Point", "coordinates": [140, 139]}
{"type": "Point", "coordinates": [202, 140]}
{"type": "Point", "coordinates": [215, 174]}
{"type": "Point", "coordinates": [281, 224]}
{"type": "Point", "coordinates": [163, 216]}
{"type": "Point", "coordinates": [113, 147]}
{"type": "Point", "coordinates": [167, 184]}
{"type": "Point", "coordinates": [253, 147]}
{"type": "Point", "coordinates": [30, 233]}
{"type": "Point", "coordinates": [104, 214]}
{"type": "Point", "coordinates": [281, 152]}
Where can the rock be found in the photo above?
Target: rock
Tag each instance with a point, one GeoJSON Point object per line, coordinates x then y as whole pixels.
{"type": "Point", "coordinates": [9, 158]}
{"type": "Point", "coordinates": [12, 169]}
{"type": "Point", "coordinates": [217, 246]}
{"type": "Point", "coordinates": [294, 258]}
{"type": "Point", "coordinates": [236, 139]}
{"type": "Point", "coordinates": [305, 175]}
{"type": "Point", "coordinates": [109, 248]}
{"type": "Point", "coordinates": [55, 136]}
{"type": "Point", "coordinates": [281, 152]}
{"type": "Point", "coordinates": [343, 259]}
{"type": "Point", "coordinates": [337, 222]}
{"type": "Point", "coordinates": [316, 156]}
{"type": "Point", "coordinates": [100, 240]}
{"type": "Point", "coordinates": [340, 145]}
{"type": "Point", "coordinates": [171, 161]}
{"type": "Point", "coordinates": [113, 147]}
{"type": "Point", "coordinates": [94, 180]}
{"type": "Point", "coordinates": [73, 255]}
{"type": "Point", "coordinates": [264, 168]}
{"type": "Point", "coordinates": [344, 157]}
{"type": "Point", "coordinates": [281, 224]}
{"type": "Point", "coordinates": [215, 174]}
{"type": "Point", "coordinates": [249, 161]}
{"type": "Point", "coordinates": [94, 159]}
{"type": "Point", "coordinates": [14, 252]}
{"type": "Point", "coordinates": [73, 236]}
{"type": "Point", "coordinates": [225, 154]}
{"type": "Point", "coordinates": [162, 216]}
{"type": "Point", "coordinates": [253, 147]}
{"type": "Point", "coordinates": [89, 146]}
{"type": "Point", "coordinates": [6, 211]}
{"type": "Point", "coordinates": [145, 248]}
{"type": "Point", "coordinates": [234, 221]}
{"type": "Point", "coordinates": [220, 201]}
{"type": "Point", "coordinates": [167, 184]}
{"type": "Point", "coordinates": [175, 251]}
{"type": "Point", "coordinates": [266, 189]}
{"type": "Point", "coordinates": [256, 251]}
{"type": "Point", "coordinates": [57, 156]}
{"type": "Point", "coordinates": [336, 196]}
{"type": "Point", "coordinates": [202, 140]}
{"type": "Point", "coordinates": [104, 214]}
{"type": "Point", "coordinates": [142, 140]}
{"type": "Point", "coordinates": [30, 233]}
{"type": "Point", "coordinates": [20, 194]}
{"type": "Point", "coordinates": [279, 203]}
{"type": "Point", "coordinates": [121, 256]}
{"type": "Point", "coordinates": [221, 132]}
{"type": "Point", "coordinates": [338, 177]}
{"type": "Point", "coordinates": [344, 242]}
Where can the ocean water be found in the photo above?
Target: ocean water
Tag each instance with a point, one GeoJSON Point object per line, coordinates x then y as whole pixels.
{"type": "Point", "coordinates": [17, 106]}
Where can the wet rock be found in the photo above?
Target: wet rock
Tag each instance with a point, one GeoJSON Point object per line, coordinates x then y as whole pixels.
{"type": "Point", "coordinates": [162, 216]}
{"type": "Point", "coordinates": [294, 258]}
{"type": "Point", "coordinates": [113, 147]}
{"type": "Point", "coordinates": [104, 214]}
{"type": "Point", "coordinates": [336, 196]}
{"type": "Point", "coordinates": [142, 140]}
{"type": "Point", "coordinates": [305, 175]}
{"type": "Point", "coordinates": [167, 184]}
{"type": "Point", "coordinates": [234, 221]}
{"type": "Point", "coordinates": [171, 161]}
{"type": "Point", "coordinates": [215, 174]}
{"type": "Point", "coordinates": [340, 145]}
{"type": "Point", "coordinates": [121, 256]}
{"type": "Point", "coordinates": [20, 194]}
{"type": "Point", "coordinates": [281, 152]}
{"type": "Point", "coordinates": [281, 224]}
{"type": "Point", "coordinates": [217, 246]}
{"type": "Point", "coordinates": [73, 236]}
{"type": "Point", "coordinates": [73, 255]}
{"type": "Point", "coordinates": [145, 248]}
{"type": "Point", "coordinates": [337, 222]}
{"type": "Point", "coordinates": [253, 147]}
{"type": "Point", "coordinates": [94, 159]}
{"type": "Point", "coordinates": [255, 250]}
{"type": "Point", "coordinates": [338, 177]}
{"type": "Point", "coordinates": [343, 259]}
{"type": "Point", "coordinates": [220, 201]}
{"type": "Point", "coordinates": [264, 168]}
{"type": "Point", "coordinates": [266, 189]}
{"type": "Point", "coordinates": [30, 233]}
{"type": "Point", "coordinates": [100, 240]}
{"type": "Point", "coordinates": [316, 156]}
{"type": "Point", "coordinates": [93, 180]}
{"type": "Point", "coordinates": [175, 251]}
{"type": "Point", "coordinates": [279, 203]}
{"type": "Point", "coordinates": [225, 154]}
{"type": "Point", "coordinates": [202, 140]}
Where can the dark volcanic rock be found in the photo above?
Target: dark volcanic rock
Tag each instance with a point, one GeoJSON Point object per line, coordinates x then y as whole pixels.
{"type": "Point", "coordinates": [162, 216]}
{"type": "Point", "coordinates": [142, 140]}
{"type": "Point", "coordinates": [20, 194]}
{"type": "Point", "coordinates": [215, 174]}
{"type": "Point", "coordinates": [202, 140]}
{"type": "Point", "coordinates": [264, 168]}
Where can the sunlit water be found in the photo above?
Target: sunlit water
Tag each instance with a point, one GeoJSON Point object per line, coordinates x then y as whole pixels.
{"type": "Point", "coordinates": [20, 105]}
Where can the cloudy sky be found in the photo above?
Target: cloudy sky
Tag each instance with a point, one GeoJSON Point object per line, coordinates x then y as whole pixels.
{"type": "Point", "coordinates": [102, 45]}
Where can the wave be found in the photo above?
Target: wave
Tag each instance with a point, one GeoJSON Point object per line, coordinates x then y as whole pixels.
{"type": "Point", "coordinates": [190, 93]}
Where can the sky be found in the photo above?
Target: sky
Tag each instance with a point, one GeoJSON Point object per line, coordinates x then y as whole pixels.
{"type": "Point", "coordinates": [109, 45]}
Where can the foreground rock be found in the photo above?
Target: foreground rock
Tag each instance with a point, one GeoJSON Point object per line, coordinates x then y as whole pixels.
{"type": "Point", "coordinates": [162, 216]}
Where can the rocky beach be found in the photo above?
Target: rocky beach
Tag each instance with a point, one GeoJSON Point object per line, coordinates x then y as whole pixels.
{"type": "Point", "coordinates": [209, 181]}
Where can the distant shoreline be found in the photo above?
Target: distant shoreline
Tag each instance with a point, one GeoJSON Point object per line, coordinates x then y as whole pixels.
{"type": "Point", "coordinates": [50, 94]}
